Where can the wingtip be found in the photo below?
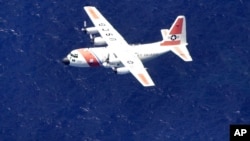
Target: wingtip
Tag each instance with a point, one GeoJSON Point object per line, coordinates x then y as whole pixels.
{"type": "Point", "coordinates": [190, 60]}
{"type": "Point", "coordinates": [181, 16]}
{"type": "Point", "coordinates": [88, 6]}
{"type": "Point", "coordinates": [152, 85]}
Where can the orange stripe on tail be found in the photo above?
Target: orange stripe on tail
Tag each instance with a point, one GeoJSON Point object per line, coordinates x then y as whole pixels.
{"type": "Point", "coordinates": [170, 43]}
{"type": "Point", "coordinates": [177, 28]}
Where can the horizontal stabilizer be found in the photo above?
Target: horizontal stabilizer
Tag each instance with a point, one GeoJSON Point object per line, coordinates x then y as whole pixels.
{"type": "Point", "coordinates": [182, 52]}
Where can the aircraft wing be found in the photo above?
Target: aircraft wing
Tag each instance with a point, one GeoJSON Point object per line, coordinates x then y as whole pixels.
{"type": "Point", "coordinates": [135, 66]}
{"type": "Point", "coordinates": [105, 29]}
{"type": "Point", "coordinates": [119, 46]}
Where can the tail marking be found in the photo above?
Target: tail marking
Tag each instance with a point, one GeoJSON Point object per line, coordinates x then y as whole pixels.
{"type": "Point", "coordinates": [177, 28]}
{"type": "Point", "coordinates": [175, 39]}
{"type": "Point", "coordinates": [170, 43]}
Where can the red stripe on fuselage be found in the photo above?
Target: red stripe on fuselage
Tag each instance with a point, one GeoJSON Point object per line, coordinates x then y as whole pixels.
{"type": "Point", "coordinates": [89, 57]}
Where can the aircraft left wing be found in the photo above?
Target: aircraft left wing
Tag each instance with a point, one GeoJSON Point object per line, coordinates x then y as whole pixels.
{"type": "Point", "coordinates": [135, 66]}
{"type": "Point", "coordinates": [105, 29]}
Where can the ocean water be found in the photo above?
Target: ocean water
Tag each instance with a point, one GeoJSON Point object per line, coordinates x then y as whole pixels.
{"type": "Point", "coordinates": [41, 99]}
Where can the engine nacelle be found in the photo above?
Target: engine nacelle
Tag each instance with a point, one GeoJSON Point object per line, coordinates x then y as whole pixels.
{"type": "Point", "coordinates": [122, 70]}
{"type": "Point", "coordinates": [91, 30]}
{"type": "Point", "coordinates": [99, 41]}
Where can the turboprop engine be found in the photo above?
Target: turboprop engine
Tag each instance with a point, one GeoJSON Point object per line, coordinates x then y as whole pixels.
{"type": "Point", "coordinates": [99, 41]}
{"type": "Point", "coordinates": [122, 70]}
{"type": "Point", "coordinates": [90, 30]}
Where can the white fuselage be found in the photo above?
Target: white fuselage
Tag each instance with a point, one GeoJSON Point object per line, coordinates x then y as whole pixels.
{"type": "Point", "coordinates": [103, 56]}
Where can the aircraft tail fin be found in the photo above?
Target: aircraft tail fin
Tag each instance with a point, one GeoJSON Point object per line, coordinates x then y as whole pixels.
{"type": "Point", "coordinates": [176, 35]}
{"type": "Point", "coordinates": [175, 38]}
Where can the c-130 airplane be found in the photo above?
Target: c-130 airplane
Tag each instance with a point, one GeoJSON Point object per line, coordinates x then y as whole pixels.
{"type": "Point", "coordinates": [115, 53]}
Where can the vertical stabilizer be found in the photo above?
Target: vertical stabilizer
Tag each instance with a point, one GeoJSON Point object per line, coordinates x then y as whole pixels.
{"type": "Point", "coordinates": [175, 38]}
{"type": "Point", "coordinates": [164, 34]}
{"type": "Point", "coordinates": [176, 35]}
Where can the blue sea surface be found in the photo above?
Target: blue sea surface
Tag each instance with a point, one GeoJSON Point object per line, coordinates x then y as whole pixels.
{"type": "Point", "coordinates": [41, 99]}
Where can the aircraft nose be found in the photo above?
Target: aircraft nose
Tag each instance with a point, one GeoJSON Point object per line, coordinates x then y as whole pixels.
{"type": "Point", "coordinates": [65, 61]}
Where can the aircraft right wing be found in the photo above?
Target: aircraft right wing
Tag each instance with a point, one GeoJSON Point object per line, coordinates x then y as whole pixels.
{"type": "Point", "coordinates": [105, 29]}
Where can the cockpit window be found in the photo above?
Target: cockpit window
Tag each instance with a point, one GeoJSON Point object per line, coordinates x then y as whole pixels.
{"type": "Point", "coordinates": [74, 55]}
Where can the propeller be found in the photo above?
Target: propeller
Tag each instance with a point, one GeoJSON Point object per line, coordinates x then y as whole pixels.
{"type": "Point", "coordinates": [84, 28]}
{"type": "Point", "coordinates": [92, 38]}
{"type": "Point", "coordinates": [107, 60]}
